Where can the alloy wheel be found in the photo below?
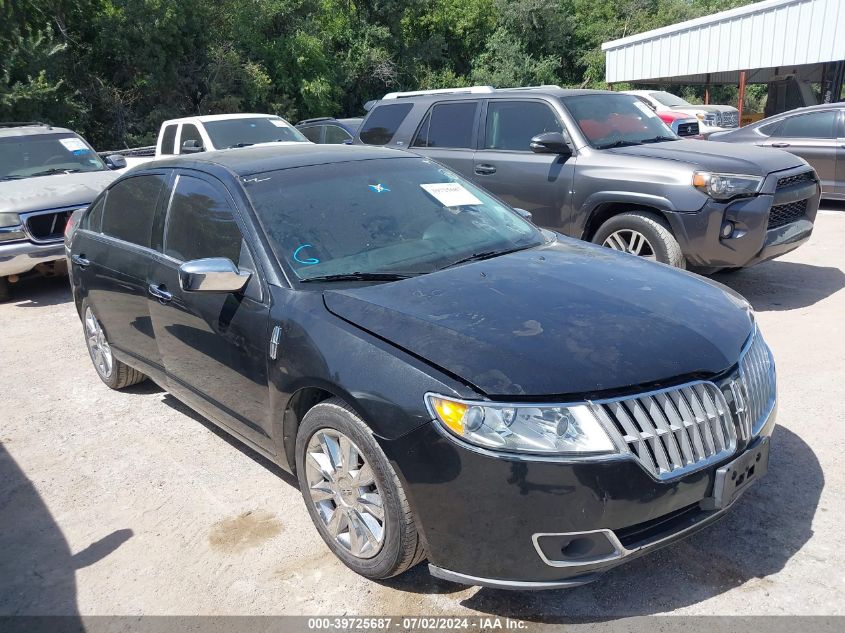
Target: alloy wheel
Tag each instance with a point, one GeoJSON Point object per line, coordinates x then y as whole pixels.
{"type": "Point", "coordinates": [630, 241]}
{"type": "Point", "coordinates": [98, 346]}
{"type": "Point", "coordinates": [343, 490]}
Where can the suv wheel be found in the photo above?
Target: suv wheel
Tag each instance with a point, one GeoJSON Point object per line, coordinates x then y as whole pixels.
{"type": "Point", "coordinates": [643, 234]}
{"type": "Point", "coordinates": [353, 495]}
{"type": "Point", "coordinates": [111, 371]}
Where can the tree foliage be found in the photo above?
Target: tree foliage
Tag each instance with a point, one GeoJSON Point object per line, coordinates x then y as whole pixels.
{"type": "Point", "coordinates": [114, 69]}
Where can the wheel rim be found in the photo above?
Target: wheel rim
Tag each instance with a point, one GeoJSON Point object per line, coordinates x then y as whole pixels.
{"type": "Point", "coordinates": [344, 492]}
{"type": "Point", "coordinates": [98, 346]}
{"type": "Point", "coordinates": [630, 241]}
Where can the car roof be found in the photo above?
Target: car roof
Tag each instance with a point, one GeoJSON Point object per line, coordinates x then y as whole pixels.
{"type": "Point", "coordinates": [255, 160]}
{"type": "Point", "coordinates": [32, 129]}
{"type": "Point", "coordinates": [821, 106]}
{"type": "Point", "coordinates": [206, 118]}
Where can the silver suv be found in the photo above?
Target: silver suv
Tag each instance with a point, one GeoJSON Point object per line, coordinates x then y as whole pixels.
{"type": "Point", "coordinates": [601, 166]}
{"type": "Point", "coordinates": [46, 173]}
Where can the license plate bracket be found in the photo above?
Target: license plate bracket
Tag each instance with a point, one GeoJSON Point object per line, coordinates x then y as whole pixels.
{"type": "Point", "coordinates": [734, 478]}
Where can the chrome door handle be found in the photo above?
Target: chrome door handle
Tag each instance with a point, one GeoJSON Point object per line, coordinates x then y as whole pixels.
{"type": "Point", "coordinates": [780, 144]}
{"type": "Point", "coordinates": [485, 170]}
{"type": "Point", "coordinates": [80, 261]}
{"type": "Point", "coordinates": [162, 295]}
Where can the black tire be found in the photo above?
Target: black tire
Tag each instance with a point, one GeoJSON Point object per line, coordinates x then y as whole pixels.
{"type": "Point", "coordinates": [402, 547]}
{"type": "Point", "coordinates": [655, 230]}
{"type": "Point", "coordinates": [120, 375]}
{"type": "Point", "coordinates": [4, 289]}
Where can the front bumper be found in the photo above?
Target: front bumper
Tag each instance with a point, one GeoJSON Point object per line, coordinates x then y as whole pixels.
{"type": "Point", "coordinates": [482, 517]}
{"type": "Point", "coordinates": [17, 258]}
{"type": "Point", "coordinates": [753, 242]}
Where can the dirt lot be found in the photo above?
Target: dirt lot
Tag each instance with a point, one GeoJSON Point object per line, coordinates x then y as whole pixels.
{"type": "Point", "coordinates": [128, 503]}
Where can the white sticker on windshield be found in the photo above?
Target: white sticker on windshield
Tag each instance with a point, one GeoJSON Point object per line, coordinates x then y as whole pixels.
{"type": "Point", "coordinates": [451, 194]}
{"type": "Point", "coordinates": [279, 123]}
{"type": "Point", "coordinates": [73, 144]}
{"type": "Point", "coordinates": [644, 108]}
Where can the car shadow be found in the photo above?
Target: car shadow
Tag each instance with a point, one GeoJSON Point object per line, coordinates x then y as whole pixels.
{"type": "Point", "coordinates": [765, 528]}
{"type": "Point", "coordinates": [781, 285]}
{"type": "Point", "coordinates": [37, 567]}
{"type": "Point", "coordinates": [37, 292]}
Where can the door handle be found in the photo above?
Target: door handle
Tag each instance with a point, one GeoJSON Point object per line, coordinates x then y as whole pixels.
{"type": "Point", "coordinates": [80, 261]}
{"type": "Point", "coordinates": [780, 144]}
{"type": "Point", "coordinates": [485, 170]}
{"type": "Point", "coordinates": [159, 293]}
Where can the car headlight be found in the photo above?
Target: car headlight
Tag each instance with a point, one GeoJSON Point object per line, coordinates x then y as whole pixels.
{"type": "Point", "coordinates": [726, 186]}
{"type": "Point", "coordinates": [10, 227]}
{"type": "Point", "coordinates": [548, 430]}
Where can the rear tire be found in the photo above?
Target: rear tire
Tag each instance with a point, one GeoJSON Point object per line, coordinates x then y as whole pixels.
{"type": "Point", "coordinates": [641, 233]}
{"type": "Point", "coordinates": [334, 493]}
{"type": "Point", "coordinates": [115, 374]}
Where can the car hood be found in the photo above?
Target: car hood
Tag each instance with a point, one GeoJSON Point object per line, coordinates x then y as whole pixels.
{"type": "Point", "coordinates": [706, 108]}
{"type": "Point", "coordinates": [566, 320]}
{"type": "Point", "coordinates": [53, 192]}
{"type": "Point", "coordinates": [757, 161]}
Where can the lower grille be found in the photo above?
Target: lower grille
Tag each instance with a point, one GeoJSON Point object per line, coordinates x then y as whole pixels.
{"type": "Point", "coordinates": [784, 214]}
{"type": "Point", "coordinates": [673, 431]}
{"type": "Point", "coordinates": [47, 226]}
{"type": "Point", "coordinates": [688, 129]}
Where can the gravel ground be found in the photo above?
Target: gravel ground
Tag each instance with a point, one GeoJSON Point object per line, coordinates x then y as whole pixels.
{"type": "Point", "coordinates": [129, 503]}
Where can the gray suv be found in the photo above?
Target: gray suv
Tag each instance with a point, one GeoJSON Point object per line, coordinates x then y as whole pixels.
{"type": "Point", "coordinates": [46, 173]}
{"type": "Point", "coordinates": [603, 167]}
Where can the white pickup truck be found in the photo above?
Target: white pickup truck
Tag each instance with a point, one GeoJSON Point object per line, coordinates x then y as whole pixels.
{"type": "Point", "coordinates": [190, 135]}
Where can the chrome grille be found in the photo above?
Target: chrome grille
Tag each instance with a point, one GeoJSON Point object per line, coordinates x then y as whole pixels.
{"type": "Point", "coordinates": [756, 386]}
{"type": "Point", "coordinates": [46, 226]}
{"type": "Point", "coordinates": [730, 119]}
{"type": "Point", "coordinates": [784, 214]}
{"type": "Point", "coordinates": [688, 129]}
{"type": "Point", "coordinates": [672, 431]}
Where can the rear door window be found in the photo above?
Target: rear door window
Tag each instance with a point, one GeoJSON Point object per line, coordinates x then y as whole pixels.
{"type": "Point", "coordinates": [130, 208]}
{"type": "Point", "coordinates": [336, 134]}
{"type": "Point", "coordinates": [383, 122]}
{"type": "Point", "coordinates": [448, 125]}
{"type": "Point", "coordinates": [168, 139]}
{"type": "Point", "coordinates": [512, 124]}
{"type": "Point", "coordinates": [93, 220]}
{"type": "Point", "coordinates": [814, 125]}
{"type": "Point", "coordinates": [200, 223]}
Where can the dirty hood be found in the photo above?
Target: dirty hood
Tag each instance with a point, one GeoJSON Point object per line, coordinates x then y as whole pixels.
{"type": "Point", "coordinates": [53, 192]}
{"type": "Point", "coordinates": [566, 319]}
{"type": "Point", "coordinates": [734, 159]}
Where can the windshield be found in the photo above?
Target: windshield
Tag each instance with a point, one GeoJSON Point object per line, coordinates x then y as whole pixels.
{"type": "Point", "coordinates": [229, 133]}
{"type": "Point", "coordinates": [400, 216]}
{"type": "Point", "coordinates": [615, 120]}
{"type": "Point", "coordinates": [45, 155]}
{"type": "Point", "coordinates": [669, 100]}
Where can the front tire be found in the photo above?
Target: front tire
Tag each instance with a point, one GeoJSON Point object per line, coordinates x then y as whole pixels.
{"type": "Point", "coordinates": [115, 374]}
{"type": "Point", "coordinates": [353, 495]}
{"type": "Point", "coordinates": [644, 234]}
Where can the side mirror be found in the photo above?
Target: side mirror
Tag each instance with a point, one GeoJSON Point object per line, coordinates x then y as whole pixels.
{"type": "Point", "coordinates": [550, 143]}
{"type": "Point", "coordinates": [115, 161]}
{"type": "Point", "coordinates": [525, 214]}
{"type": "Point", "coordinates": [214, 274]}
{"type": "Point", "coordinates": [192, 147]}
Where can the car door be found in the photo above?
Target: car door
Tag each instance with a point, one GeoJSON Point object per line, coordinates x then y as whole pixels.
{"type": "Point", "coordinates": [214, 345]}
{"type": "Point", "coordinates": [448, 133]}
{"type": "Point", "coordinates": [839, 186]}
{"type": "Point", "coordinates": [111, 255]}
{"type": "Point", "coordinates": [812, 136]}
{"type": "Point", "coordinates": [505, 165]}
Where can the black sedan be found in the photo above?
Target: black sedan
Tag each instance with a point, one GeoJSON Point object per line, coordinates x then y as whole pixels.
{"type": "Point", "coordinates": [816, 134]}
{"type": "Point", "coordinates": [446, 380]}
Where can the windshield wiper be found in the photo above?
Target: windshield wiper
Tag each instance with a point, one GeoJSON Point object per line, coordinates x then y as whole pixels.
{"type": "Point", "coordinates": [358, 276]}
{"type": "Point", "coordinates": [56, 170]}
{"type": "Point", "coordinates": [487, 255]}
{"type": "Point", "coordinates": [239, 145]}
{"type": "Point", "coordinates": [13, 177]}
{"type": "Point", "coordinates": [617, 144]}
{"type": "Point", "coordinates": [659, 139]}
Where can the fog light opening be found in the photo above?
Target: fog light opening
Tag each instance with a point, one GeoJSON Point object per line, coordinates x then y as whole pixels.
{"type": "Point", "coordinates": [727, 229]}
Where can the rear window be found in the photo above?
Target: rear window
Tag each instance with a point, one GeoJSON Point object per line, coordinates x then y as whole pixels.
{"type": "Point", "coordinates": [383, 122]}
{"type": "Point", "coordinates": [246, 131]}
{"type": "Point", "coordinates": [130, 207]}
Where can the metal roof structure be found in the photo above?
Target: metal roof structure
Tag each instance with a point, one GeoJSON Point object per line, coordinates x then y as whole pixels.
{"type": "Point", "coordinates": [765, 39]}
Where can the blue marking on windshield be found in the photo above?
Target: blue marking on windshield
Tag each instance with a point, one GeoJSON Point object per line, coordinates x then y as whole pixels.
{"type": "Point", "coordinates": [310, 261]}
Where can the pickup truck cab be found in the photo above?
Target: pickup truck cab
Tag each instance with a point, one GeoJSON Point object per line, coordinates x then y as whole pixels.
{"type": "Point", "coordinates": [46, 173]}
{"type": "Point", "coordinates": [601, 166]}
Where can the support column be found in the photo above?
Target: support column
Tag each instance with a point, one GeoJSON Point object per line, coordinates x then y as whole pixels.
{"type": "Point", "coordinates": [741, 94]}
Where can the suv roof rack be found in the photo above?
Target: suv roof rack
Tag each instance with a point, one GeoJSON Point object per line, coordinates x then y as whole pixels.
{"type": "Point", "coordinates": [439, 91]}
{"type": "Point", "coordinates": [24, 124]}
{"type": "Point", "coordinates": [544, 86]}
{"type": "Point", "coordinates": [314, 120]}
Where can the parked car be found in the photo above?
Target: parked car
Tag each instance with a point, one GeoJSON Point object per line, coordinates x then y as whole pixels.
{"type": "Point", "coordinates": [361, 316]}
{"type": "Point", "coordinates": [601, 166]}
{"type": "Point", "coordinates": [681, 123]}
{"type": "Point", "coordinates": [330, 130]}
{"type": "Point", "coordinates": [46, 173]}
{"type": "Point", "coordinates": [711, 118]}
{"type": "Point", "coordinates": [816, 134]}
